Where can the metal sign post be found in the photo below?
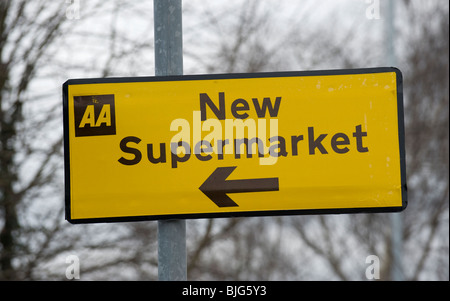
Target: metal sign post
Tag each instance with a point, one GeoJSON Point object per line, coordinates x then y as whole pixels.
{"type": "Point", "coordinates": [169, 61]}
{"type": "Point", "coordinates": [396, 271]}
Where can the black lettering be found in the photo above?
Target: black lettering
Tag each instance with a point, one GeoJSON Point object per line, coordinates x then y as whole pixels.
{"type": "Point", "coordinates": [174, 156]}
{"type": "Point", "coordinates": [317, 143]}
{"type": "Point", "coordinates": [162, 153]}
{"type": "Point", "coordinates": [219, 112]}
{"type": "Point", "coordinates": [267, 104]}
{"type": "Point", "coordinates": [281, 146]}
{"type": "Point", "coordinates": [235, 108]}
{"type": "Point", "coordinates": [259, 146]}
{"type": "Point", "coordinates": [123, 147]}
{"type": "Point", "coordinates": [359, 143]}
{"type": "Point", "coordinates": [335, 143]}
{"type": "Point", "coordinates": [220, 145]}
{"type": "Point", "coordinates": [237, 147]}
{"type": "Point", "coordinates": [248, 144]}
{"type": "Point", "coordinates": [199, 150]}
{"type": "Point", "coordinates": [294, 141]}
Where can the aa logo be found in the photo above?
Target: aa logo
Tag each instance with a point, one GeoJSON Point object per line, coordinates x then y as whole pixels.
{"type": "Point", "coordinates": [94, 115]}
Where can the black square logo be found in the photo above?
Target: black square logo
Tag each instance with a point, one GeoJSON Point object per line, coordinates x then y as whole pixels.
{"type": "Point", "coordinates": [95, 115]}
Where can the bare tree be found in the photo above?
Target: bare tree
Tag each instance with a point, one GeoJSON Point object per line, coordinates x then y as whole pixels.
{"type": "Point", "coordinates": [23, 44]}
{"type": "Point", "coordinates": [32, 69]}
{"type": "Point", "coordinates": [427, 140]}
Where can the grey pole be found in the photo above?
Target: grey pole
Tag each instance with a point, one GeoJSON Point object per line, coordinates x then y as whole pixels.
{"type": "Point", "coordinates": [396, 269]}
{"type": "Point", "coordinates": [169, 61]}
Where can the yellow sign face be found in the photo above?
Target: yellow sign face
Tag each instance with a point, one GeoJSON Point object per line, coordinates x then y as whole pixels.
{"type": "Point", "coordinates": [234, 145]}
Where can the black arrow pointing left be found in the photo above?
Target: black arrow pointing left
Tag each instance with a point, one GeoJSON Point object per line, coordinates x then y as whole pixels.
{"type": "Point", "coordinates": [217, 186]}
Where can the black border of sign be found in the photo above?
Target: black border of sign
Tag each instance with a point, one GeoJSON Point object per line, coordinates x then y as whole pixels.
{"type": "Point", "coordinates": [401, 134]}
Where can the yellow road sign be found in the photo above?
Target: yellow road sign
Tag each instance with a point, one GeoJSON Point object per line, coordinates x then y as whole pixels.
{"type": "Point", "coordinates": [226, 145]}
